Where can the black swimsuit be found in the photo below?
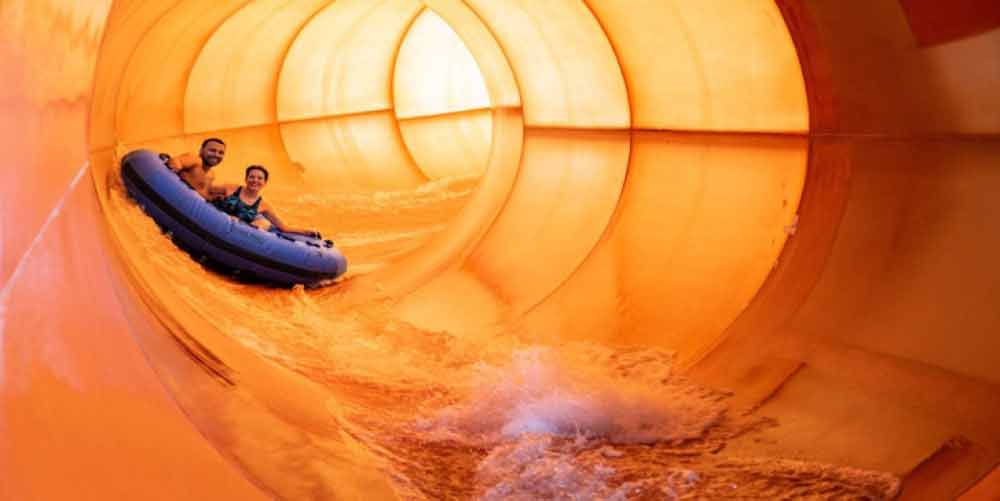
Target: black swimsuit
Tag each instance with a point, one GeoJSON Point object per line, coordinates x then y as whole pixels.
{"type": "Point", "coordinates": [234, 206]}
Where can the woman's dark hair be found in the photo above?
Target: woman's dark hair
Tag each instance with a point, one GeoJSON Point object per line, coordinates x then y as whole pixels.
{"type": "Point", "coordinates": [256, 167]}
{"type": "Point", "coordinates": [212, 140]}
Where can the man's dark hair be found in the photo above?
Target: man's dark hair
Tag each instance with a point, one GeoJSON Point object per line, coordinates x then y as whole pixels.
{"type": "Point", "coordinates": [256, 167]}
{"type": "Point", "coordinates": [212, 140]}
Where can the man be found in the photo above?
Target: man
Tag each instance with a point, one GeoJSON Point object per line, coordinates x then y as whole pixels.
{"type": "Point", "coordinates": [195, 170]}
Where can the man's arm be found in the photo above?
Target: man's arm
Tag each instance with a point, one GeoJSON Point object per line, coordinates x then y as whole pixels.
{"type": "Point", "coordinates": [183, 161]}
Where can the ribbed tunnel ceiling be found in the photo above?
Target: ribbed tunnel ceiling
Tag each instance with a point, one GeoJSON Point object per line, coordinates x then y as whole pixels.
{"type": "Point", "coordinates": [323, 85]}
{"type": "Point", "coordinates": [555, 104]}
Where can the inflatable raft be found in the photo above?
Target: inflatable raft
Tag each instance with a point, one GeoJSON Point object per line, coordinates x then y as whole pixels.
{"type": "Point", "coordinates": [214, 238]}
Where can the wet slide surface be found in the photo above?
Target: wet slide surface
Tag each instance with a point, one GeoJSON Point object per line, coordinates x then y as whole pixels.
{"type": "Point", "coordinates": [619, 294]}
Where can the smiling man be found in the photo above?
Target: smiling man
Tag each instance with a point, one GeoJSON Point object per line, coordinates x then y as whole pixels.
{"type": "Point", "coordinates": [195, 169]}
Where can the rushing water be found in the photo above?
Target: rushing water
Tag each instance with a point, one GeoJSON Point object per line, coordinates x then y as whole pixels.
{"type": "Point", "coordinates": [487, 415]}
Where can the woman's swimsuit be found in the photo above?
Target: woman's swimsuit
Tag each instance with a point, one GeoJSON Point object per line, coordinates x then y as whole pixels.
{"type": "Point", "coordinates": [234, 206]}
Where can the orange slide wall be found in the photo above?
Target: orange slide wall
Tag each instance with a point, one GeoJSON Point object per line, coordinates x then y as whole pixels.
{"type": "Point", "coordinates": [859, 306]}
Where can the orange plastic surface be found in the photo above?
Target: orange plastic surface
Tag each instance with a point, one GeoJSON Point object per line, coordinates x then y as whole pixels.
{"type": "Point", "coordinates": [793, 196]}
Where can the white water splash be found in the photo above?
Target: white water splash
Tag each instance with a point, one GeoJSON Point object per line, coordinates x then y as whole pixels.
{"type": "Point", "coordinates": [580, 392]}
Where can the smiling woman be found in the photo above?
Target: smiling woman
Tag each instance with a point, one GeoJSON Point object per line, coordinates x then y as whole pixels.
{"type": "Point", "coordinates": [246, 204]}
{"type": "Point", "coordinates": [641, 177]}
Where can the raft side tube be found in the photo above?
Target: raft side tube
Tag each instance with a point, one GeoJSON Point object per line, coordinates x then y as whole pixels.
{"type": "Point", "coordinates": [207, 233]}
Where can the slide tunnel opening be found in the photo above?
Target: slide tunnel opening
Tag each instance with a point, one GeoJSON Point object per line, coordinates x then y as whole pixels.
{"type": "Point", "coordinates": [619, 249]}
{"type": "Point", "coordinates": [390, 104]}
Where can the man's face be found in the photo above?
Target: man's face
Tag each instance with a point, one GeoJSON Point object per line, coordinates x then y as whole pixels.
{"type": "Point", "coordinates": [212, 153]}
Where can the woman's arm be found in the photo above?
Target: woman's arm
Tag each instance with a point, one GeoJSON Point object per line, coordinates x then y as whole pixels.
{"type": "Point", "coordinates": [268, 212]}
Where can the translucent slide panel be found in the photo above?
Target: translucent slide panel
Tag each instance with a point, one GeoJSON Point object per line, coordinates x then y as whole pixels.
{"type": "Point", "coordinates": [490, 58]}
{"type": "Point", "coordinates": [888, 283]}
{"type": "Point", "coordinates": [43, 118]}
{"type": "Point", "coordinates": [566, 192]}
{"type": "Point", "coordinates": [968, 71]}
{"type": "Point", "coordinates": [37, 169]}
{"type": "Point", "coordinates": [151, 98]}
{"type": "Point", "coordinates": [702, 222]}
{"type": "Point", "coordinates": [234, 82]}
{"type": "Point", "coordinates": [357, 152]}
{"type": "Point", "coordinates": [707, 65]}
{"type": "Point", "coordinates": [42, 32]}
{"type": "Point", "coordinates": [342, 61]}
{"type": "Point", "coordinates": [564, 64]}
{"type": "Point", "coordinates": [435, 72]}
{"type": "Point", "coordinates": [128, 23]}
{"type": "Point", "coordinates": [82, 414]}
{"type": "Point", "coordinates": [450, 145]}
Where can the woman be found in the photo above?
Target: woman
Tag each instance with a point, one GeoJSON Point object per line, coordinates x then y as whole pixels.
{"type": "Point", "coordinates": [245, 203]}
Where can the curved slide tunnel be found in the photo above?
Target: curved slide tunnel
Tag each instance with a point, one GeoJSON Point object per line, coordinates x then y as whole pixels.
{"type": "Point", "coordinates": [796, 197]}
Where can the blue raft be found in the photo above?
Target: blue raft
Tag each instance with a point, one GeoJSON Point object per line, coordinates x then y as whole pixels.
{"type": "Point", "coordinates": [213, 237]}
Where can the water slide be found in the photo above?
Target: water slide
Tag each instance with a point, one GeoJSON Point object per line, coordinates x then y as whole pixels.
{"type": "Point", "coordinates": [796, 199]}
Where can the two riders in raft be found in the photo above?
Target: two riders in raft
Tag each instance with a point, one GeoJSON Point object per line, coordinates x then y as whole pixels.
{"type": "Point", "coordinates": [245, 202]}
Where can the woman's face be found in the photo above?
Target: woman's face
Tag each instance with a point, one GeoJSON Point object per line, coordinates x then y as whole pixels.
{"type": "Point", "coordinates": [255, 180]}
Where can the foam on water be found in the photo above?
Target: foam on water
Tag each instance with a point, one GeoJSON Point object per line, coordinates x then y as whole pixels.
{"type": "Point", "coordinates": [540, 467]}
{"type": "Point", "coordinates": [549, 419]}
{"type": "Point", "coordinates": [579, 391]}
